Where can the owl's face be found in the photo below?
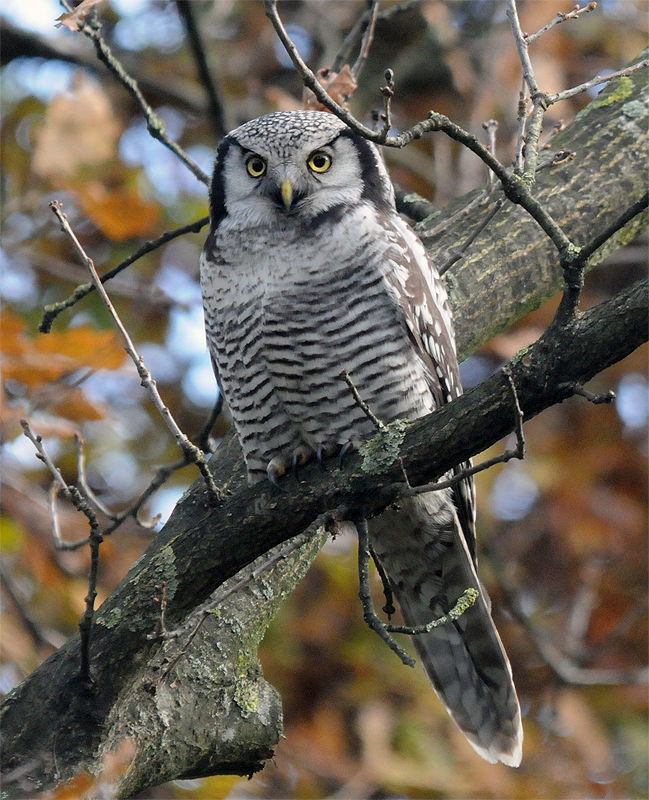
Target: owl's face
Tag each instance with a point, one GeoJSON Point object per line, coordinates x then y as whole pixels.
{"type": "Point", "coordinates": [293, 167]}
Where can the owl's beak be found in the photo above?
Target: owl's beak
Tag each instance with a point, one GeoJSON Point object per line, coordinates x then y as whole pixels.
{"type": "Point", "coordinates": [287, 193]}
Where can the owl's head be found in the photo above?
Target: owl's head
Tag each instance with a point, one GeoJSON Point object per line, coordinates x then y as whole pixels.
{"type": "Point", "coordinates": [295, 165]}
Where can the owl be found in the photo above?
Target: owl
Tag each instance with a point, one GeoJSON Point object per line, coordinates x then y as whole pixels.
{"type": "Point", "coordinates": [308, 270]}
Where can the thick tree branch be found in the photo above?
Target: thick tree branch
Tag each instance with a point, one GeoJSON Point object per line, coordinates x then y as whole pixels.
{"type": "Point", "coordinates": [201, 547]}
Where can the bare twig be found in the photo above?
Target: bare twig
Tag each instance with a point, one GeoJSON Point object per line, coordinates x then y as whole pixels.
{"type": "Point", "coordinates": [94, 540]}
{"type": "Point", "coordinates": [595, 399]}
{"type": "Point", "coordinates": [561, 17]}
{"type": "Point", "coordinates": [457, 254]}
{"type": "Point", "coordinates": [215, 107]}
{"type": "Point", "coordinates": [550, 99]}
{"type": "Point", "coordinates": [83, 483]}
{"type": "Point", "coordinates": [365, 594]}
{"type": "Point", "coordinates": [388, 608]}
{"type": "Point", "coordinates": [59, 542]}
{"type": "Point", "coordinates": [521, 120]}
{"type": "Point", "coordinates": [388, 92]}
{"type": "Point", "coordinates": [192, 453]}
{"type": "Point", "coordinates": [161, 476]}
{"type": "Point", "coordinates": [368, 36]}
{"type": "Point", "coordinates": [461, 474]}
{"type": "Point", "coordinates": [204, 439]}
{"type": "Point", "coordinates": [491, 126]}
{"type": "Point", "coordinates": [465, 601]}
{"type": "Point", "coordinates": [538, 98]}
{"type": "Point", "coordinates": [556, 160]}
{"type": "Point", "coordinates": [155, 126]}
{"type": "Point", "coordinates": [345, 376]}
{"type": "Point", "coordinates": [51, 312]}
{"type": "Point", "coordinates": [573, 266]}
{"type": "Point", "coordinates": [463, 604]}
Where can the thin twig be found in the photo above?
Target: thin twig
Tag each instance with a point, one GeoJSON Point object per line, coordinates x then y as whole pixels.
{"type": "Point", "coordinates": [192, 453]}
{"type": "Point", "coordinates": [51, 312]}
{"type": "Point", "coordinates": [538, 98]}
{"type": "Point", "coordinates": [556, 160]}
{"type": "Point", "coordinates": [215, 107]}
{"type": "Point", "coordinates": [521, 120]}
{"type": "Point", "coordinates": [345, 376]}
{"type": "Point", "coordinates": [388, 608]}
{"type": "Point", "coordinates": [573, 268]}
{"type": "Point", "coordinates": [59, 542]}
{"type": "Point", "coordinates": [161, 476]}
{"type": "Point", "coordinates": [366, 43]}
{"type": "Point", "coordinates": [550, 99]}
{"type": "Point", "coordinates": [155, 126]}
{"type": "Point", "coordinates": [457, 254]}
{"type": "Point", "coordinates": [491, 126]}
{"type": "Point", "coordinates": [365, 594]}
{"type": "Point", "coordinates": [94, 540]}
{"type": "Point", "coordinates": [204, 439]}
{"type": "Point", "coordinates": [388, 93]}
{"type": "Point", "coordinates": [461, 474]}
{"type": "Point", "coordinates": [595, 399]}
{"type": "Point", "coordinates": [82, 481]}
{"type": "Point", "coordinates": [463, 604]}
{"type": "Point", "coordinates": [561, 17]}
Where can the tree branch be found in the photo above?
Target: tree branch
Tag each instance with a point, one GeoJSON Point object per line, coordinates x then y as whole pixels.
{"type": "Point", "coordinates": [196, 550]}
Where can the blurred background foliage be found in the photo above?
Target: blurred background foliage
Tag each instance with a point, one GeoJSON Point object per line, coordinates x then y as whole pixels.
{"type": "Point", "coordinates": [563, 534]}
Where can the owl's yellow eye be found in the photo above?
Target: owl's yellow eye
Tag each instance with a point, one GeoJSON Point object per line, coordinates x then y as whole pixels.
{"type": "Point", "coordinates": [256, 166]}
{"type": "Point", "coordinates": [319, 162]}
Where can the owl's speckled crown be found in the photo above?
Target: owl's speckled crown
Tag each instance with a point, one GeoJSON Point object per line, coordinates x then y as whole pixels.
{"type": "Point", "coordinates": [286, 128]}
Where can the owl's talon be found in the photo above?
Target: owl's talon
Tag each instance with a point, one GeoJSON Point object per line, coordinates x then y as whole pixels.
{"type": "Point", "coordinates": [346, 448]}
{"type": "Point", "coordinates": [275, 470]}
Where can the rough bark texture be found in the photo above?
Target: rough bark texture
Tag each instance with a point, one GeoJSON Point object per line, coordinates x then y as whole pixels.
{"type": "Point", "coordinates": [213, 711]}
{"type": "Point", "coordinates": [513, 267]}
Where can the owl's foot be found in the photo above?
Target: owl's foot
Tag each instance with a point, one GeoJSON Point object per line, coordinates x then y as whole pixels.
{"type": "Point", "coordinates": [279, 466]}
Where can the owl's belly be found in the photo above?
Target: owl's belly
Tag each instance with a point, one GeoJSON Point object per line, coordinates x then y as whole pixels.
{"type": "Point", "coordinates": [281, 345]}
{"type": "Point", "coordinates": [310, 335]}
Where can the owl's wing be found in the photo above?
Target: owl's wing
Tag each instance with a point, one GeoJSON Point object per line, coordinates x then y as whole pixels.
{"type": "Point", "coordinates": [428, 317]}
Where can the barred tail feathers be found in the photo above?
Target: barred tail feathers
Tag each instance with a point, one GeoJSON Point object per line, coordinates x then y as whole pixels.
{"type": "Point", "coordinates": [430, 567]}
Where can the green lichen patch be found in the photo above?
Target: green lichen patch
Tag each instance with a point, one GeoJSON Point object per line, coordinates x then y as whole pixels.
{"type": "Point", "coordinates": [383, 449]}
{"type": "Point", "coordinates": [623, 90]}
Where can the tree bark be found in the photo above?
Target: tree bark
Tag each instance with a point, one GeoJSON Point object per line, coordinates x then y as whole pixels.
{"type": "Point", "coordinates": [213, 711]}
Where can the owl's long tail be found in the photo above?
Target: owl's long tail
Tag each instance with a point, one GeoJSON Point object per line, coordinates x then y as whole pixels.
{"type": "Point", "coordinates": [424, 552]}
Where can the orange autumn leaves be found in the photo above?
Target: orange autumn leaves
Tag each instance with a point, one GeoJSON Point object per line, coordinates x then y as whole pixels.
{"type": "Point", "coordinates": [49, 369]}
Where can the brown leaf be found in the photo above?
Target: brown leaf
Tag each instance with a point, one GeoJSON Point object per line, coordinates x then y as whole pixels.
{"type": "Point", "coordinates": [121, 213]}
{"type": "Point", "coordinates": [74, 20]}
{"type": "Point", "coordinates": [81, 129]}
{"type": "Point", "coordinates": [338, 85]}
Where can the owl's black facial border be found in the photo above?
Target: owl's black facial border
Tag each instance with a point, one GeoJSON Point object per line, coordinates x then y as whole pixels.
{"type": "Point", "coordinates": [218, 209]}
{"type": "Point", "coordinates": [374, 189]}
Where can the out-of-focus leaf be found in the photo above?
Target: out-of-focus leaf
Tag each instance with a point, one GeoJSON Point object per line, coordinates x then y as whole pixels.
{"type": "Point", "coordinates": [81, 129]}
{"type": "Point", "coordinates": [121, 213]}
{"type": "Point", "coordinates": [33, 361]}
{"type": "Point", "coordinates": [11, 535]}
